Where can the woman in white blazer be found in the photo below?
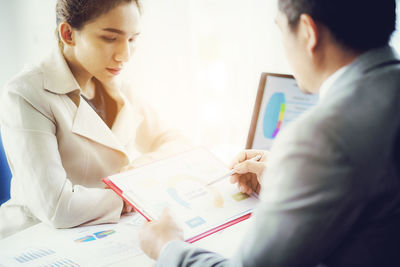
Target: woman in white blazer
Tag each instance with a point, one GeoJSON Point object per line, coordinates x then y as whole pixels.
{"type": "Point", "coordinates": [69, 121]}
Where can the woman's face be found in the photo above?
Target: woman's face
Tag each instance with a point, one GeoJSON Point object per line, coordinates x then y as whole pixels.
{"type": "Point", "coordinates": [104, 45]}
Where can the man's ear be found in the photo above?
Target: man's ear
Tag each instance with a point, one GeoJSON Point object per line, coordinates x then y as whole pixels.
{"type": "Point", "coordinates": [66, 34]}
{"type": "Point", "coordinates": [310, 33]}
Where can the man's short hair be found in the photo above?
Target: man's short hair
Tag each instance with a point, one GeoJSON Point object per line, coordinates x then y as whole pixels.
{"type": "Point", "coordinates": [358, 25]}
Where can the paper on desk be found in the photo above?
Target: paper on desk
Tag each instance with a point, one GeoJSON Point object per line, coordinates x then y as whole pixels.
{"type": "Point", "coordinates": [180, 183]}
{"type": "Point", "coordinates": [37, 256]}
{"type": "Point", "coordinates": [98, 245]}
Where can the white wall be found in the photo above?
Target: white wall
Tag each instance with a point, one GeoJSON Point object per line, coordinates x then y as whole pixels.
{"type": "Point", "coordinates": [9, 59]}
{"type": "Point", "coordinates": [26, 29]}
{"type": "Point", "coordinates": [197, 61]}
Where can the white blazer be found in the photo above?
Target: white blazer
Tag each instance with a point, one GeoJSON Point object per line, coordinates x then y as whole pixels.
{"type": "Point", "coordinates": [59, 149]}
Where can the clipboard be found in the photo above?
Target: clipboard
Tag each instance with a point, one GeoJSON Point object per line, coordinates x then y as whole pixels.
{"type": "Point", "coordinates": [279, 101]}
{"type": "Point", "coordinates": [179, 183]}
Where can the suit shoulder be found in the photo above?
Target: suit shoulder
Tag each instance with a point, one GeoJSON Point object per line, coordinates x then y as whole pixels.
{"type": "Point", "coordinates": [26, 88]}
{"type": "Point", "coordinates": [28, 80]}
{"type": "Point", "coordinates": [360, 117]}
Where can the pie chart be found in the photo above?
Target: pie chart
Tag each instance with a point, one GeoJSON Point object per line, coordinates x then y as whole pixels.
{"type": "Point", "coordinates": [273, 115]}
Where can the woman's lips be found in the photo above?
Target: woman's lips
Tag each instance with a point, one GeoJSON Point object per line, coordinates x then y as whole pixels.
{"type": "Point", "coordinates": [114, 71]}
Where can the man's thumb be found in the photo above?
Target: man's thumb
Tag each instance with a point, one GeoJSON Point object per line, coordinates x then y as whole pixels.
{"type": "Point", "coordinates": [249, 166]}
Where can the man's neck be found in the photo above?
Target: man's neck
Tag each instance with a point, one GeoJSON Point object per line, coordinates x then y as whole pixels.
{"type": "Point", "coordinates": [334, 59]}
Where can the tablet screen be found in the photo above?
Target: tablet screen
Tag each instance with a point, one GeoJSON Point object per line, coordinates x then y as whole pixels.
{"type": "Point", "coordinates": [279, 101]}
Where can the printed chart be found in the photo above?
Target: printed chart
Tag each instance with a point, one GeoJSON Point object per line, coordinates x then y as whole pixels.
{"type": "Point", "coordinates": [276, 111]}
{"type": "Point", "coordinates": [95, 245]}
{"type": "Point", "coordinates": [282, 102]}
{"type": "Point", "coordinates": [37, 256]}
{"type": "Point", "coordinates": [95, 236]}
{"type": "Point", "coordinates": [33, 254]}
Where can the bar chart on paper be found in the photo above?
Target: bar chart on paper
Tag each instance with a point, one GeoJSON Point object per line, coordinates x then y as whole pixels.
{"type": "Point", "coordinates": [33, 254]}
{"type": "Point", "coordinates": [95, 245]}
{"type": "Point", "coordinates": [36, 256]}
{"type": "Point", "coordinates": [95, 236]}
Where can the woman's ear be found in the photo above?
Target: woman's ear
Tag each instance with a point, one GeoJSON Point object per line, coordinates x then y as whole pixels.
{"type": "Point", "coordinates": [66, 34]}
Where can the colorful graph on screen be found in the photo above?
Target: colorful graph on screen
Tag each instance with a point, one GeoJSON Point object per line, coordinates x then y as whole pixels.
{"type": "Point", "coordinates": [273, 115]}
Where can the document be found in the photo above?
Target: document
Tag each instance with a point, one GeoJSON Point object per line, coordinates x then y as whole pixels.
{"type": "Point", "coordinates": [37, 256]}
{"type": "Point", "coordinates": [180, 183]}
{"type": "Point", "coordinates": [97, 245]}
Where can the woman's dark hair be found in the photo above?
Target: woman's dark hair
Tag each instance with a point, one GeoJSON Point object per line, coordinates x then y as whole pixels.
{"type": "Point", "coordinates": [359, 25]}
{"type": "Point", "coordinates": [79, 12]}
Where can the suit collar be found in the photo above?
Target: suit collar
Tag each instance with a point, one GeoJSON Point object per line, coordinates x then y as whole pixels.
{"type": "Point", "coordinates": [327, 84]}
{"type": "Point", "coordinates": [373, 58]}
{"type": "Point", "coordinates": [88, 124]}
{"type": "Point", "coordinates": [58, 77]}
{"type": "Point", "coordinates": [364, 64]}
{"type": "Point", "coordinates": [126, 122]}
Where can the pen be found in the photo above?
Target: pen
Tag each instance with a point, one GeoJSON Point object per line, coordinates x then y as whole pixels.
{"type": "Point", "coordinates": [232, 172]}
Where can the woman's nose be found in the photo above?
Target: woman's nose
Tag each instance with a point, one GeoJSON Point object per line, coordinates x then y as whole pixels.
{"type": "Point", "coordinates": [123, 52]}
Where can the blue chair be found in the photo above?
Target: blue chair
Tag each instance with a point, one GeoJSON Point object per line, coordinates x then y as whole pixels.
{"type": "Point", "coordinates": [5, 176]}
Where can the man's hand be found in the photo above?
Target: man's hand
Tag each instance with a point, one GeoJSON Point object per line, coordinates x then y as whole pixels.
{"type": "Point", "coordinates": [154, 235]}
{"type": "Point", "coordinates": [248, 173]}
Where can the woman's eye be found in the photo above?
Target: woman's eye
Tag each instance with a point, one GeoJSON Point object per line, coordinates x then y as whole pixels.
{"type": "Point", "coordinates": [108, 39]}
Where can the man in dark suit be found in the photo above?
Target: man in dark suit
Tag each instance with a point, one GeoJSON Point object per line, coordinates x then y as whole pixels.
{"type": "Point", "coordinates": [331, 191]}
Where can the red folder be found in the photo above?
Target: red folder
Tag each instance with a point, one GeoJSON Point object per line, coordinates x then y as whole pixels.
{"type": "Point", "coordinates": [206, 156]}
{"type": "Point", "coordinates": [108, 182]}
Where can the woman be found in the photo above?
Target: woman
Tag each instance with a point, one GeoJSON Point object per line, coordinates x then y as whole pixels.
{"type": "Point", "coordinates": [69, 121]}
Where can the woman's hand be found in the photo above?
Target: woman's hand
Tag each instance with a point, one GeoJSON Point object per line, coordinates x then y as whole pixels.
{"type": "Point", "coordinates": [248, 173]}
{"type": "Point", "coordinates": [127, 208]}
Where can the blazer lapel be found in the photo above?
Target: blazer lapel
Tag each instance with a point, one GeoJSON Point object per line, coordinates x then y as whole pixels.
{"type": "Point", "coordinates": [365, 63]}
{"type": "Point", "coordinates": [59, 79]}
{"type": "Point", "coordinates": [126, 123]}
{"type": "Point", "coordinates": [88, 124]}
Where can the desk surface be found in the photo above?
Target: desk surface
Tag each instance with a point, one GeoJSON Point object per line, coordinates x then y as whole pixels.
{"type": "Point", "coordinates": [102, 245]}
{"type": "Point", "coordinates": [118, 248]}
